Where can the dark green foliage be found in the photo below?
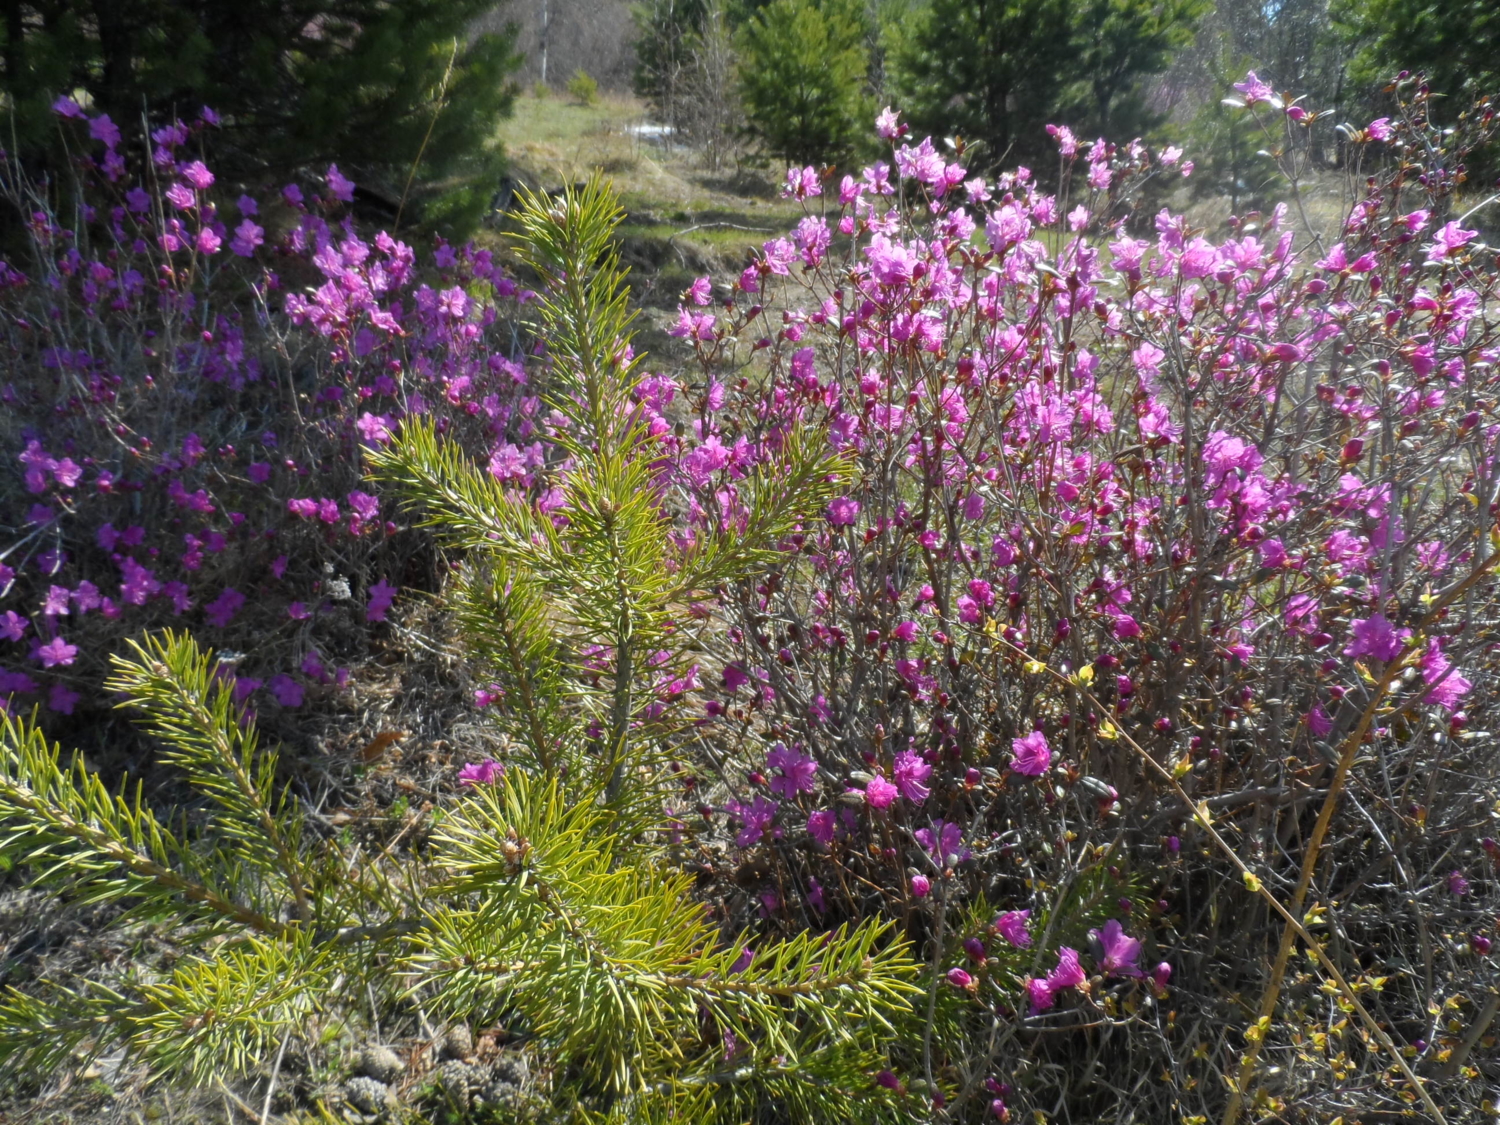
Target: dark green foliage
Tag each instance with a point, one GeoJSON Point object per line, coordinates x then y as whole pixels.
{"type": "Point", "coordinates": [987, 70]}
{"type": "Point", "coordinates": [1115, 43]}
{"type": "Point", "coordinates": [1455, 42]}
{"type": "Point", "coordinates": [376, 86]}
{"type": "Point", "coordinates": [803, 72]}
{"type": "Point", "coordinates": [997, 71]}
{"type": "Point", "coordinates": [667, 31]}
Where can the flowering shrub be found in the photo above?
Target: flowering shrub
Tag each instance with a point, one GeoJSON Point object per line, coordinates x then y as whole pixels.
{"type": "Point", "coordinates": [1158, 598]}
{"type": "Point", "coordinates": [189, 388]}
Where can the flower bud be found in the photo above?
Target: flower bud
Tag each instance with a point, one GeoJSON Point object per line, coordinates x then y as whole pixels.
{"type": "Point", "coordinates": [958, 978]}
{"type": "Point", "coordinates": [920, 886]}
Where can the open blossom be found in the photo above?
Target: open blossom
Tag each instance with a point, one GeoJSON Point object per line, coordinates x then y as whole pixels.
{"type": "Point", "coordinates": [879, 793]}
{"type": "Point", "coordinates": [382, 594]}
{"type": "Point", "coordinates": [1448, 240]}
{"type": "Point", "coordinates": [911, 772]}
{"type": "Point", "coordinates": [487, 772]}
{"type": "Point", "coordinates": [57, 652]}
{"type": "Point", "coordinates": [755, 819]}
{"type": "Point", "coordinates": [1375, 636]}
{"type": "Point", "coordinates": [944, 841]}
{"type": "Point", "coordinates": [1013, 928]}
{"type": "Point", "coordinates": [798, 773]}
{"type": "Point", "coordinates": [820, 826]}
{"type": "Point", "coordinates": [842, 511]}
{"type": "Point", "coordinates": [1119, 954]}
{"type": "Point", "coordinates": [1031, 754]}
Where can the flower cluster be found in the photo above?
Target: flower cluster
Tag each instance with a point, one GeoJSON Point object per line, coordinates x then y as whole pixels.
{"type": "Point", "coordinates": [1128, 502]}
{"type": "Point", "coordinates": [190, 396]}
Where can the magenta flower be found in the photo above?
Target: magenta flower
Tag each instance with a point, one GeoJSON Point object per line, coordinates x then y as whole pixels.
{"type": "Point", "coordinates": [943, 841]}
{"type": "Point", "coordinates": [960, 978]}
{"type": "Point", "coordinates": [198, 175]}
{"type": "Point", "coordinates": [288, 692]}
{"type": "Point", "coordinates": [57, 652]}
{"type": "Point", "coordinates": [1119, 954]}
{"type": "Point", "coordinates": [1013, 928]}
{"type": "Point", "coordinates": [1458, 886]}
{"type": "Point", "coordinates": [247, 237]}
{"type": "Point", "coordinates": [1032, 755]}
{"type": "Point", "coordinates": [221, 611]}
{"type": "Point", "coordinates": [879, 793]}
{"type": "Point", "coordinates": [487, 772]}
{"type": "Point", "coordinates": [339, 185]}
{"type": "Point", "coordinates": [842, 512]}
{"type": "Point", "coordinates": [911, 771]}
{"type": "Point", "coordinates": [1041, 995]}
{"type": "Point", "coordinates": [1447, 241]}
{"type": "Point", "coordinates": [13, 626]}
{"type": "Point", "coordinates": [1375, 636]}
{"type": "Point", "coordinates": [820, 826]}
{"type": "Point", "coordinates": [1069, 973]}
{"type": "Point", "coordinates": [921, 886]}
{"type": "Point", "coordinates": [798, 774]}
{"type": "Point", "coordinates": [382, 594]}
{"type": "Point", "coordinates": [1256, 91]}
{"type": "Point", "coordinates": [755, 817]}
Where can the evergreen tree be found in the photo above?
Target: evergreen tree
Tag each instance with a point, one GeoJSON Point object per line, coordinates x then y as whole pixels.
{"type": "Point", "coordinates": [999, 70]}
{"type": "Point", "coordinates": [1455, 42]}
{"type": "Point", "coordinates": [803, 70]}
{"type": "Point", "coordinates": [987, 70]}
{"type": "Point", "coordinates": [1114, 44]}
{"type": "Point", "coordinates": [392, 92]}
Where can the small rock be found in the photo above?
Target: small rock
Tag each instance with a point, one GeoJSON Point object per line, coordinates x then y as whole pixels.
{"type": "Point", "coordinates": [458, 1043]}
{"type": "Point", "coordinates": [369, 1096]}
{"type": "Point", "coordinates": [380, 1063]}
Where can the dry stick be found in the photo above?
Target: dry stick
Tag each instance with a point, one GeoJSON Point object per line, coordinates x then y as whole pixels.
{"type": "Point", "coordinates": [1252, 881]}
{"type": "Point", "coordinates": [1348, 753]}
{"type": "Point", "coordinates": [421, 151]}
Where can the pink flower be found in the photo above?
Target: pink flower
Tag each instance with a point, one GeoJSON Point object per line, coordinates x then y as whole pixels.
{"type": "Point", "coordinates": [13, 626]}
{"type": "Point", "coordinates": [67, 107]}
{"type": "Point", "coordinates": [247, 236]}
{"type": "Point", "coordinates": [755, 817]}
{"type": "Point", "coordinates": [886, 124]}
{"type": "Point", "coordinates": [921, 886]}
{"type": "Point", "coordinates": [487, 772]}
{"type": "Point", "coordinates": [1012, 927]}
{"type": "Point", "coordinates": [1119, 954]}
{"type": "Point", "coordinates": [879, 793]}
{"type": "Point", "coordinates": [943, 841]}
{"type": "Point", "coordinates": [911, 771]}
{"type": "Point", "coordinates": [341, 187]}
{"type": "Point", "coordinates": [1318, 721]}
{"type": "Point", "coordinates": [1032, 755]}
{"type": "Point", "coordinates": [288, 692]}
{"type": "Point", "coordinates": [1256, 91]}
{"type": "Point", "coordinates": [382, 594]}
{"type": "Point", "coordinates": [1068, 974]}
{"type": "Point", "coordinates": [1041, 995]}
{"type": "Point", "coordinates": [798, 774]}
{"type": "Point", "coordinates": [1380, 129]}
{"type": "Point", "coordinates": [57, 651]}
{"type": "Point", "coordinates": [198, 175]}
{"type": "Point", "coordinates": [1375, 636]}
{"type": "Point", "coordinates": [960, 978]}
{"type": "Point", "coordinates": [1447, 242]}
{"type": "Point", "coordinates": [1458, 886]}
{"type": "Point", "coordinates": [820, 826]}
{"type": "Point", "coordinates": [221, 611]}
{"type": "Point", "coordinates": [842, 512]}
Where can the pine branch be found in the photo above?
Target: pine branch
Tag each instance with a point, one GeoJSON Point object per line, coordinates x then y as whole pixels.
{"type": "Point", "coordinates": [192, 710]}
{"type": "Point", "coordinates": [64, 822]}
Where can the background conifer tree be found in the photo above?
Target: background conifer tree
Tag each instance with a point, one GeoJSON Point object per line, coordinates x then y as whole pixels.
{"type": "Point", "coordinates": [380, 88]}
